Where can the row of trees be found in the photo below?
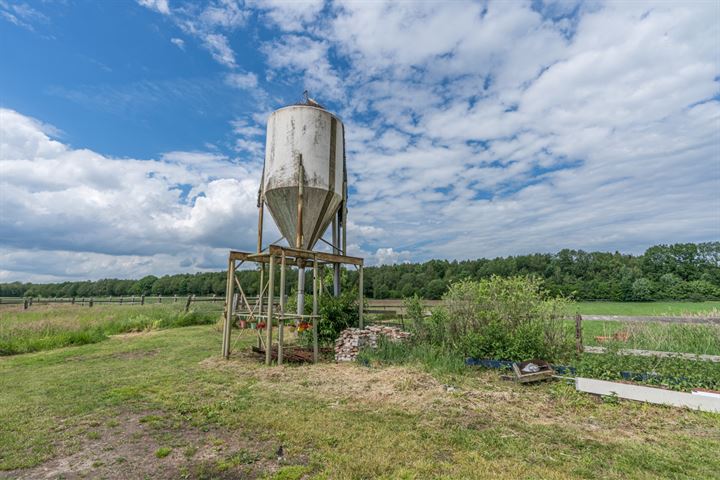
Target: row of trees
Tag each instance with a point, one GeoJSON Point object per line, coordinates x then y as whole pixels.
{"type": "Point", "coordinates": [675, 272]}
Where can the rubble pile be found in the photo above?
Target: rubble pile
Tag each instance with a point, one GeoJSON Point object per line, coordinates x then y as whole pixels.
{"type": "Point", "coordinates": [352, 340]}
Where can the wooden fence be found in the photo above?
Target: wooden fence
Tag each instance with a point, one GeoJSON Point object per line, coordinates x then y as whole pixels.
{"type": "Point", "coordinates": [28, 302]}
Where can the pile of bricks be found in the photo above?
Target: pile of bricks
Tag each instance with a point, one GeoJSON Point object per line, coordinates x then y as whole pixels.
{"type": "Point", "coordinates": [352, 340]}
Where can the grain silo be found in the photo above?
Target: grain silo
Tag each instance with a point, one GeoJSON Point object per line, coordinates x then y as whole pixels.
{"type": "Point", "coordinates": [304, 187]}
{"type": "Point", "coordinates": [304, 181]}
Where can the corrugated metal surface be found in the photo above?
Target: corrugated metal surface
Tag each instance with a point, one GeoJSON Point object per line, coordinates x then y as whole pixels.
{"type": "Point", "coordinates": [304, 143]}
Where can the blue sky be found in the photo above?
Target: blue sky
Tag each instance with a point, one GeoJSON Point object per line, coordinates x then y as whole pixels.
{"type": "Point", "coordinates": [132, 133]}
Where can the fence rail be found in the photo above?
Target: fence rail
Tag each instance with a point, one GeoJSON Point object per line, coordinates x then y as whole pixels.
{"type": "Point", "coordinates": [28, 302]}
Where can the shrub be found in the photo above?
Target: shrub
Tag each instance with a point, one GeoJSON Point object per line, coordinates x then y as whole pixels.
{"type": "Point", "coordinates": [414, 309]}
{"type": "Point", "coordinates": [336, 314]}
{"type": "Point", "coordinates": [505, 318]}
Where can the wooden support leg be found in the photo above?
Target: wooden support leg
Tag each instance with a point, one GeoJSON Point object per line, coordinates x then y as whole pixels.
{"type": "Point", "coordinates": [229, 291]}
{"type": "Point", "coordinates": [315, 311]}
{"type": "Point", "coordinates": [268, 324]}
{"type": "Point", "coordinates": [360, 298]}
{"type": "Point", "coordinates": [261, 288]}
{"type": "Point", "coordinates": [281, 321]}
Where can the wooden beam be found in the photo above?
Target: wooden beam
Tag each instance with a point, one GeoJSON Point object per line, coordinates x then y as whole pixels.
{"type": "Point", "coordinates": [293, 254]}
{"type": "Point", "coordinates": [311, 255]}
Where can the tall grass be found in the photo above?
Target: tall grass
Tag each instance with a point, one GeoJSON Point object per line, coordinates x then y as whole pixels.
{"type": "Point", "coordinates": [670, 337]}
{"type": "Point", "coordinates": [62, 326]}
{"type": "Point", "coordinates": [432, 358]}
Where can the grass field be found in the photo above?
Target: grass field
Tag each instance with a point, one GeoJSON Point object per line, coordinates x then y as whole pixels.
{"type": "Point", "coordinates": [162, 404]}
{"type": "Point", "coordinates": [665, 337]}
{"type": "Point", "coordinates": [642, 309]}
{"type": "Point", "coordinates": [45, 327]}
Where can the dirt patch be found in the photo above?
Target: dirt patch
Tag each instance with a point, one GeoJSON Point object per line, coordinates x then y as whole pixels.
{"type": "Point", "coordinates": [153, 445]}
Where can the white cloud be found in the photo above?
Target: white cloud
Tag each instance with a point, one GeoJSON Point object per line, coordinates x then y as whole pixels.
{"type": "Point", "coordinates": [21, 14]}
{"type": "Point", "coordinates": [245, 129]}
{"type": "Point", "coordinates": [209, 25]}
{"type": "Point", "coordinates": [289, 15]}
{"type": "Point", "coordinates": [219, 48]}
{"type": "Point", "coordinates": [154, 211]}
{"type": "Point", "coordinates": [242, 81]}
{"type": "Point", "coordinates": [472, 130]}
{"type": "Point", "coordinates": [303, 55]}
{"type": "Point", "coordinates": [226, 14]}
{"type": "Point", "coordinates": [160, 6]}
{"type": "Point", "coordinates": [178, 42]}
{"type": "Point", "coordinates": [388, 256]}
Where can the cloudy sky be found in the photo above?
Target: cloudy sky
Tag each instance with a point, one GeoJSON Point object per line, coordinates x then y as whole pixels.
{"type": "Point", "coordinates": [132, 133]}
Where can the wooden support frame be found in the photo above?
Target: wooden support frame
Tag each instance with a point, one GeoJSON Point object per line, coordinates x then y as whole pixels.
{"type": "Point", "coordinates": [265, 309]}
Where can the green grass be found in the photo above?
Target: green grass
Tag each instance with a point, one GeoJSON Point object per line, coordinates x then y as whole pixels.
{"type": "Point", "coordinates": [49, 327]}
{"type": "Point", "coordinates": [643, 309]}
{"type": "Point", "coordinates": [660, 336]}
{"type": "Point", "coordinates": [334, 421]}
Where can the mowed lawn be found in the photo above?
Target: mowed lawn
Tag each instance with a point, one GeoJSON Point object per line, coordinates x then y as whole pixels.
{"type": "Point", "coordinates": [162, 404]}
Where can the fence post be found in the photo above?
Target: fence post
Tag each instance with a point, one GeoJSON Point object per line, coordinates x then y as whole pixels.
{"type": "Point", "coordinates": [175, 298]}
{"type": "Point", "coordinates": [159, 299]}
{"type": "Point", "coordinates": [578, 333]}
{"type": "Point", "coordinates": [90, 303]}
{"type": "Point", "coordinates": [25, 304]}
{"type": "Point", "coordinates": [72, 301]}
{"type": "Point", "coordinates": [187, 304]}
{"type": "Point", "coordinates": [121, 300]}
{"type": "Point", "coordinates": [142, 299]}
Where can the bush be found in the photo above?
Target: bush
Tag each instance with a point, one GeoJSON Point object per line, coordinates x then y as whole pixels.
{"type": "Point", "coordinates": [504, 318]}
{"type": "Point", "coordinates": [414, 309]}
{"type": "Point", "coordinates": [336, 314]}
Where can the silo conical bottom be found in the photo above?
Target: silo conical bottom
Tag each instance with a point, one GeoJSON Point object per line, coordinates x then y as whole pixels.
{"type": "Point", "coordinates": [319, 207]}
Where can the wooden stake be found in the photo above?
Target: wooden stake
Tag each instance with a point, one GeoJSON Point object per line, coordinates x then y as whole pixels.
{"type": "Point", "coordinates": [578, 333]}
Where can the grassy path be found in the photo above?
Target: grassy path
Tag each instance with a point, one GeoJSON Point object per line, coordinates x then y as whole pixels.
{"type": "Point", "coordinates": [161, 404]}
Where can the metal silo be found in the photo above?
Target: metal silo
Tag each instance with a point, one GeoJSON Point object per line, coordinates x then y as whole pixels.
{"type": "Point", "coordinates": [304, 181]}
{"type": "Point", "coordinates": [304, 157]}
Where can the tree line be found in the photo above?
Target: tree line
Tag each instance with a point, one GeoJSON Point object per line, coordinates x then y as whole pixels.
{"type": "Point", "coordinates": [684, 271]}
